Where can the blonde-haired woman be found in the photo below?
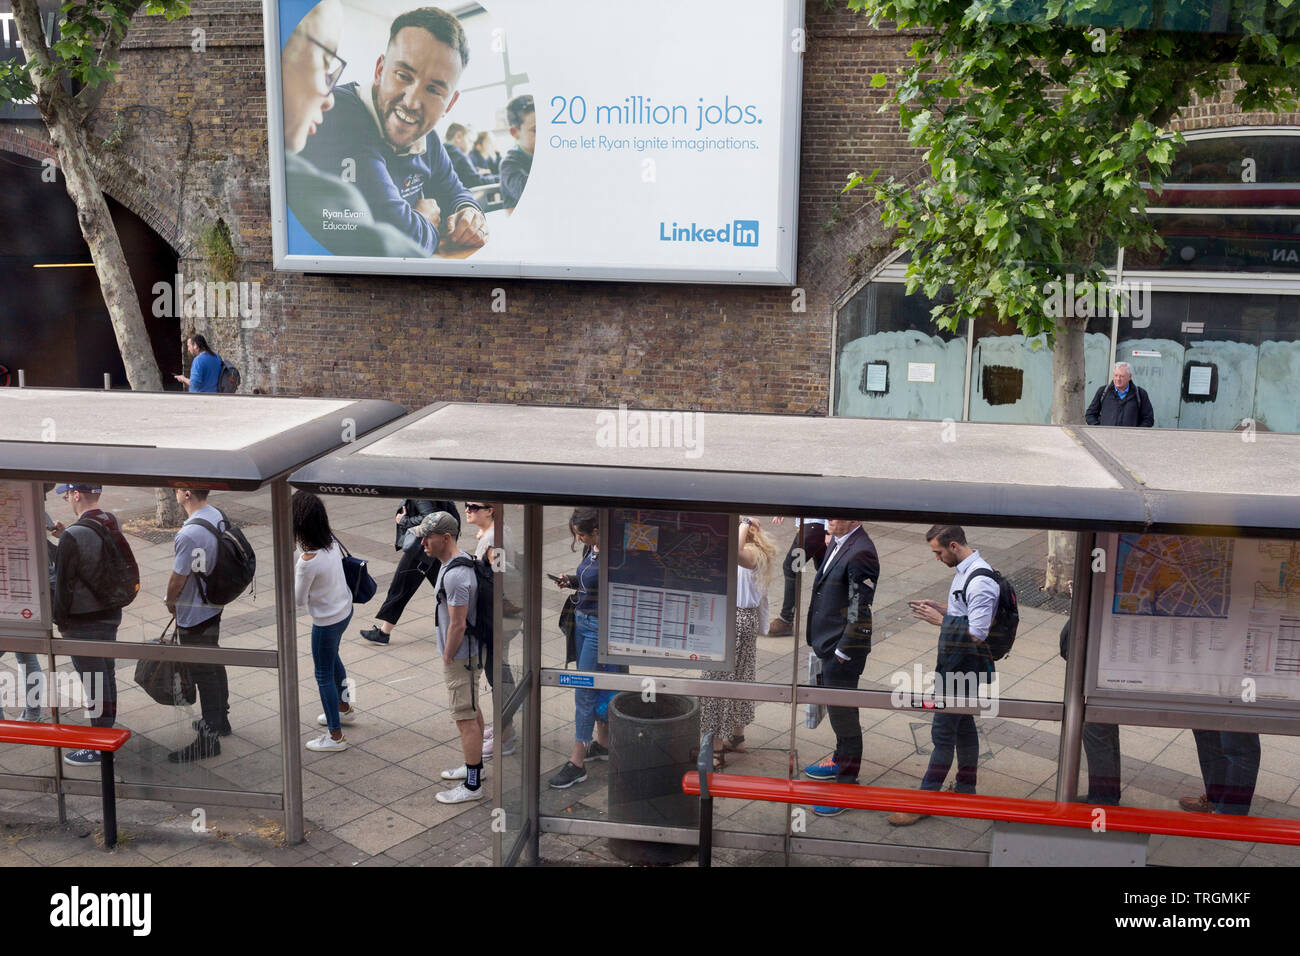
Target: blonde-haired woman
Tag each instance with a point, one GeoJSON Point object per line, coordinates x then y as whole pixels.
{"type": "Point", "coordinates": [727, 718]}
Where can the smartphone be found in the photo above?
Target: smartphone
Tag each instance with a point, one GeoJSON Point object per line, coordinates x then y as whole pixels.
{"type": "Point", "coordinates": [557, 578]}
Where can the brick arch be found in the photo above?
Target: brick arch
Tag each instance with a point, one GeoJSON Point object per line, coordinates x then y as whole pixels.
{"type": "Point", "coordinates": [134, 196]}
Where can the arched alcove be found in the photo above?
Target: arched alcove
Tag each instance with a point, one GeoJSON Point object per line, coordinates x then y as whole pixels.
{"type": "Point", "coordinates": [53, 321]}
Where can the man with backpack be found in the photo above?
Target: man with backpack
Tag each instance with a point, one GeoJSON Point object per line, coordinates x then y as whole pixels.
{"type": "Point", "coordinates": [966, 625]}
{"type": "Point", "coordinates": [95, 576]}
{"type": "Point", "coordinates": [459, 589]}
{"type": "Point", "coordinates": [198, 622]}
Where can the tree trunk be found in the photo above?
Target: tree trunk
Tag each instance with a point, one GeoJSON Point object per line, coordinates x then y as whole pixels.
{"type": "Point", "coordinates": [1067, 409]}
{"type": "Point", "coordinates": [63, 120]}
{"type": "Point", "coordinates": [168, 514]}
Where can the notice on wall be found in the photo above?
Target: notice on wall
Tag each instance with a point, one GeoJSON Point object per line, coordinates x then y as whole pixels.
{"type": "Point", "coordinates": [568, 139]}
{"type": "Point", "coordinates": [1145, 353]}
{"type": "Point", "coordinates": [1194, 615]}
{"type": "Point", "coordinates": [669, 592]}
{"type": "Point", "coordinates": [920, 371]}
{"type": "Point", "coordinates": [1199, 378]}
{"type": "Point", "coordinates": [22, 555]}
{"type": "Point", "coordinates": [877, 377]}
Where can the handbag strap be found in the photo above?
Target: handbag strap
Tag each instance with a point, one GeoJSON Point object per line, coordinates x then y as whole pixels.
{"type": "Point", "coordinates": [162, 639]}
{"type": "Point", "coordinates": [342, 546]}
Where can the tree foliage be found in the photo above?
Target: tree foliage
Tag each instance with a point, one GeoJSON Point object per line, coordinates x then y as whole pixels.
{"type": "Point", "coordinates": [1042, 124]}
{"type": "Point", "coordinates": [90, 35]}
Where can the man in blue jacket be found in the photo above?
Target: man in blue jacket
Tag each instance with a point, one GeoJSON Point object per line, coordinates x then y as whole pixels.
{"type": "Point", "coordinates": [385, 130]}
{"type": "Point", "coordinates": [205, 369]}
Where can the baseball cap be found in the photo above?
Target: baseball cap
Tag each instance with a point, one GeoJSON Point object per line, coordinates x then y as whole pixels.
{"type": "Point", "coordinates": [438, 523]}
{"type": "Point", "coordinates": [87, 489]}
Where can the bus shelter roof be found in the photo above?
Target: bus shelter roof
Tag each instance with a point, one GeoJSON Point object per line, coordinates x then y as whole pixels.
{"type": "Point", "coordinates": [237, 442]}
{"type": "Point", "coordinates": [1042, 476]}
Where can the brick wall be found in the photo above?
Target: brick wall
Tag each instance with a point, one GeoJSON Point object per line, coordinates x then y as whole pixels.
{"type": "Point", "coordinates": [193, 150]}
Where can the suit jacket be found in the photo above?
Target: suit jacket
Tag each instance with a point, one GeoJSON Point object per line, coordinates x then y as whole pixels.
{"type": "Point", "coordinates": [840, 615]}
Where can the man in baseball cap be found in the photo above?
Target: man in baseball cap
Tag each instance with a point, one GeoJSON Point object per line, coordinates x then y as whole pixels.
{"type": "Point", "coordinates": [81, 607]}
{"type": "Point", "coordinates": [456, 591]}
{"type": "Point", "coordinates": [82, 487]}
{"type": "Point", "coordinates": [440, 522]}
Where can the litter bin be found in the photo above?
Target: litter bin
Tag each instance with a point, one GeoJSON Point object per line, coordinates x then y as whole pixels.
{"type": "Point", "coordinates": [651, 744]}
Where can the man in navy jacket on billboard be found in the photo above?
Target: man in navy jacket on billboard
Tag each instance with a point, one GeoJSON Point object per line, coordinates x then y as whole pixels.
{"type": "Point", "coordinates": [386, 130]}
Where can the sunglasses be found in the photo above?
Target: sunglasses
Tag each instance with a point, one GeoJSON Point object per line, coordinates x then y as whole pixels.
{"type": "Point", "coordinates": [469, 507]}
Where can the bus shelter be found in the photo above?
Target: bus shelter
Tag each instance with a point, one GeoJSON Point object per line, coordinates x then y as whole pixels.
{"type": "Point", "coordinates": [167, 440]}
{"type": "Point", "coordinates": [1120, 492]}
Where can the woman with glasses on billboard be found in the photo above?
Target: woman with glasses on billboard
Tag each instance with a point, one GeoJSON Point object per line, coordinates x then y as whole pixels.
{"type": "Point", "coordinates": [310, 68]}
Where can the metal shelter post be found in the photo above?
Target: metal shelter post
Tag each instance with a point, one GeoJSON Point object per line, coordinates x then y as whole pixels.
{"type": "Point", "coordinates": [532, 756]}
{"type": "Point", "coordinates": [286, 639]}
{"type": "Point", "coordinates": [1067, 776]}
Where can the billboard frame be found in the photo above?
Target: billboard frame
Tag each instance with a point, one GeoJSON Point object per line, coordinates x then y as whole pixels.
{"type": "Point", "coordinates": [783, 274]}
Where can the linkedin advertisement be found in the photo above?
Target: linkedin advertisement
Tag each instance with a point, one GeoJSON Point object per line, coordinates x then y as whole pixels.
{"type": "Point", "coordinates": [582, 139]}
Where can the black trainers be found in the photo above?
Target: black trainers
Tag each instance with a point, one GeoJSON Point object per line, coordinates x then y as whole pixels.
{"type": "Point", "coordinates": [205, 745]}
{"type": "Point", "coordinates": [375, 635]}
{"type": "Point", "coordinates": [225, 730]}
{"type": "Point", "coordinates": [567, 777]}
{"type": "Point", "coordinates": [596, 752]}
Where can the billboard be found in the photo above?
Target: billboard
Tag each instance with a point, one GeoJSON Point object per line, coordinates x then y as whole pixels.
{"type": "Point", "coordinates": [516, 138]}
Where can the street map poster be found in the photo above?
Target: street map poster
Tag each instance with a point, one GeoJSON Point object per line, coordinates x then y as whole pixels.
{"type": "Point", "coordinates": [1201, 615]}
{"type": "Point", "coordinates": [22, 558]}
{"type": "Point", "coordinates": [591, 139]}
{"type": "Point", "coordinates": [668, 588]}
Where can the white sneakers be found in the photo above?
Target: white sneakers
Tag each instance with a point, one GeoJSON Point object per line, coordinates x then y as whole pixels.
{"type": "Point", "coordinates": [489, 744]}
{"type": "Point", "coordinates": [460, 773]}
{"type": "Point", "coordinates": [327, 743]}
{"type": "Point", "coordinates": [350, 717]}
{"type": "Point", "coordinates": [461, 794]}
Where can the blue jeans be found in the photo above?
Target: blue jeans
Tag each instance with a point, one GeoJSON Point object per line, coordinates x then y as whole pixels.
{"type": "Point", "coordinates": [1229, 766]}
{"type": "Point", "coordinates": [330, 674]}
{"type": "Point", "coordinates": [949, 733]}
{"type": "Point", "coordinates": [590, 704]}
{"type": "Point", "coordinates": [31, 667]}
{"type": "Point", "coordinates": [98, 674]}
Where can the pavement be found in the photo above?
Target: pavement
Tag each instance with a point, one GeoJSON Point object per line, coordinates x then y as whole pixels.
{"type": "Point", "coordinates": [373, 805]}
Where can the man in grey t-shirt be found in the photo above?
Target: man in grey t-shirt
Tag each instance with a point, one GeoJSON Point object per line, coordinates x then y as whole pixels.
{"type": "Point", "coordinates": [457, 590]}
{"type": "Point", "coordinates": [198, 623]}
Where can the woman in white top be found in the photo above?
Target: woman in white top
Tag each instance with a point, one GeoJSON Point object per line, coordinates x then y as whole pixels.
{"type": "Point", "coordinates": [320, 587]}
{"type": "Point", "coordinates": [728, 718]}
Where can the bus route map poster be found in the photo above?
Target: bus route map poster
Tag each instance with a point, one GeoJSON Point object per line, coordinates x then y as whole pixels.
{"type": "Point", "coordinates": [1202, 615]}
{"type": "Point", "coordinates": [669, 589]}
{"type": "Point", "coordinates": [22, 556]}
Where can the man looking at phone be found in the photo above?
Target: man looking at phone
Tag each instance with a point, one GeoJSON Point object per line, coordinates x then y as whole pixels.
{"type": "Point", "coordinates": [964, 624]}
{"type": "Point", "coordinates": [384, 132]}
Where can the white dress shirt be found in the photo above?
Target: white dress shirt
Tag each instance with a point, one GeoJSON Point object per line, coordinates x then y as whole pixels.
{"type": "Point", "coordinates": [981, 596]}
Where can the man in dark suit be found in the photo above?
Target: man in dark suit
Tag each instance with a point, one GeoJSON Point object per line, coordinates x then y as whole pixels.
{"type": "Point", "coordinates": [839, 632]}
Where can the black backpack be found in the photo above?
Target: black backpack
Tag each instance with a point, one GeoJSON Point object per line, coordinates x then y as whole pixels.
{"type": "Point", "coordinates": [228, 378]}
{"type": "Point", "coordinates": [1006, 617]}
{"type": "Point", "coordinates": [235, 565]}
{"type": "Point", "coordinates": [481, 629]}
{"type": "Point", "coordinates": [117, 575]}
